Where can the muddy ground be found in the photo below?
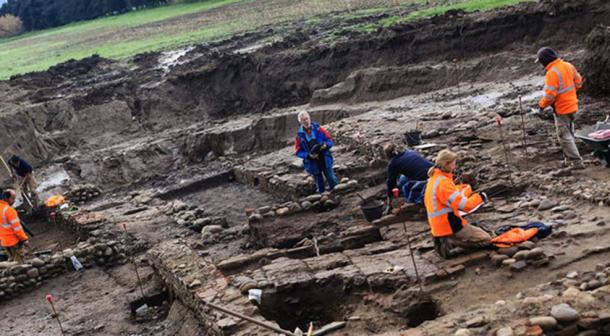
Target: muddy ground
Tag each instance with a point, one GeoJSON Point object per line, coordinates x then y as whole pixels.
{"type": "Point", "coordinates": [196, 158]}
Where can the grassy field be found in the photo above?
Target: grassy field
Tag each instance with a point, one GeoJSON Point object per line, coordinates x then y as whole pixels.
{"type": "Point", "coordinates": [169, 27]}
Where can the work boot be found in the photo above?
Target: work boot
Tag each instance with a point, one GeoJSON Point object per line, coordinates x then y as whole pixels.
{"type": "Point", "coordinates": [442, 246]}
{"type": "Point", "coordinates": [577, 165]}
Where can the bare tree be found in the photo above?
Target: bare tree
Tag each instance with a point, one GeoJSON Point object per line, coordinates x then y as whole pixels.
{"type": "Point", "coordinates": [10, 25]}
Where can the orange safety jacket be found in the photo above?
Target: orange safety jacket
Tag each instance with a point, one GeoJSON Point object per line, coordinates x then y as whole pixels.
{"type": "Point", "coordinates": [514, 237]}
{"type": "Point", "coordinates": [443, 197]}
{"type": "Point", "coordinates": [11, 231]}
{"type": "Point", "coordinates": [560, 85]}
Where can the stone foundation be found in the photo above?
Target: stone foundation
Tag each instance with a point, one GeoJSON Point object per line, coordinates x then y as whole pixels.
{"type": "Point", "coordinates": [100, 248]}
{"type": "Point", "coordinates": [19, 278]}
{"type": "Point", "coordinates": [195, 281]}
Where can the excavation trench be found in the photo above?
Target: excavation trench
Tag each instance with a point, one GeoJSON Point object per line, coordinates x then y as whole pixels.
{"type": "Point", "coordinates": [333, 302]}
{"type": "Point", "coordinates": [122, 103]}
{"type": "Point", "coordinates": [315, 304]}
{"type": "Point", "coordinates": [61, 243]}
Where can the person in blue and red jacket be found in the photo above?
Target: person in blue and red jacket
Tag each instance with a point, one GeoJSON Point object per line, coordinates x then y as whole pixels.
{"type": "Point", "coordinates": [313, 144]}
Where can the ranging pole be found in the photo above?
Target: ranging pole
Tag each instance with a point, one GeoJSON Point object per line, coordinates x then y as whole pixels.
{"type": "Point", "coordinates": [523, 127]}
{"type": "Point", "coordinates": [249, 319]}
{"type": "Point", "coordinates": [499, 123]}
{"type": "Point", "coordinates": [421, 287]}
{"type": "Point", "coordinates": [457, 76]}
{"type": "Point", "coordinates": [50, 301]}
{"type": "Point", "coordinates": [133, 260]}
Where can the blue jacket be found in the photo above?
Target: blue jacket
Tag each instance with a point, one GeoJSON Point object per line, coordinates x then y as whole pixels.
{"type": "Point", "coordinates": [301, 147]}
{"type": "Point", "coordinates": [22, 167]}
{"type": "Point", "coordinates": [410, 164]}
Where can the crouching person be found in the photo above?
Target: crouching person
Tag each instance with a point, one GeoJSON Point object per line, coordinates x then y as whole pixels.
{"type": "Point", "coordinates": [12, 235]}
{"type": "Point", "coordinates": [313, 144]}
{"type": "Point", "coordinates": [444, 200]}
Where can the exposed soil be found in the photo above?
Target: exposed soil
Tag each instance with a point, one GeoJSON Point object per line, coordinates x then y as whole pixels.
{"type": "Point", "coordinates": [49, 238]}
{"type": "Point", "coordinates": [196, 158]}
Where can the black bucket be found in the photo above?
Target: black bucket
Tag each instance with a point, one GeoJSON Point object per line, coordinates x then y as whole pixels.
{"type": "Point", "coordinates": [372, 209]}
{"type": "Point", "coordinates": [413, 138]}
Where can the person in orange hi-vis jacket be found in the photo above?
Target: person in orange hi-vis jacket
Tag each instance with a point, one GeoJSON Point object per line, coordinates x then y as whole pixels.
{"type": "Point", "coordinates": [12, 235]}
{"type": "Point", "coordinates": [561, 82]}
{"type": "Point", "coordinates": [444, 200]}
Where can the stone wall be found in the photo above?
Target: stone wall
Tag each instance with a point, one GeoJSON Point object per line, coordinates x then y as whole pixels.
{"type": "Point", "coordinates": [99, 246]}
{"type": "Point", "coordinates": [195, 280]}
{"type": "Point", "coordinates": [18, 278]}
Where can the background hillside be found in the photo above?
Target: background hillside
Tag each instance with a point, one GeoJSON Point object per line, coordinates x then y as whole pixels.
{"type": "Point", "coordinates": [172, 26]}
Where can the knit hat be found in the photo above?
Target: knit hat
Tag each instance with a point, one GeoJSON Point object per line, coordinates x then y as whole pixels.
{"type": "Point", "coordinates": [389, 150]}
{"type": "Point", "coordinates": [546, 55]}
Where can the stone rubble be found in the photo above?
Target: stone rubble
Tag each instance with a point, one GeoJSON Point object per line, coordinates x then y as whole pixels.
{"type": "Point", "coordinates": [80, 194]}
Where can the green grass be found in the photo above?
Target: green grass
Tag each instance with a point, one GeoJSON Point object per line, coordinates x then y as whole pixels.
{"type": "Point", "coordinates": [39, 50]}
{"type": "Point", "coordinates": [126, 20]}
{"type": "Point", "coordinates": [439, 9]}
{"type": "Point", "coordinates": [167, 27]}
{"type": "Point", "coordinates": [467, 6]}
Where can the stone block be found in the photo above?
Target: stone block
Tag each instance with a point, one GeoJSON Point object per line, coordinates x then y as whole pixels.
{"type": "Point", "coordinates": [33, 273]}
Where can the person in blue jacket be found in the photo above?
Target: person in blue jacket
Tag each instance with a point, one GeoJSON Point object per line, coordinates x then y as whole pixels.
{"type": "Point", "coordinates": [412, 170]}
{"type": "Point", "coordinates": [313, 144]}
{"type": "Point", "coordinates": [23, 173]}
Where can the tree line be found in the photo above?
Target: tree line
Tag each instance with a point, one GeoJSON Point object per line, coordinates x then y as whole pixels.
{"type": "Point", "coordinates": [41, 14]}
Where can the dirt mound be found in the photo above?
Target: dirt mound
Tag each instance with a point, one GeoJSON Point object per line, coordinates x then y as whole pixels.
{"type": "Point", "coordinates": [68, 70]}
{"type": "Point", "coordinates": [597, 62]}
{"type": "Point", "coordinates": [289, 72]}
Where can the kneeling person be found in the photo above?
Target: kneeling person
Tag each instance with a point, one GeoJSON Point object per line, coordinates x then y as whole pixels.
{"type": "Point", "coordinates": [411, 168]}
{"type": "Point", "coordinates": [444, 200]}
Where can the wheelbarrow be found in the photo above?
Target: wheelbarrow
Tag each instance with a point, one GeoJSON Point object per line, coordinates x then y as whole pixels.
{"type": "Point", "coordinates": [601, 147]}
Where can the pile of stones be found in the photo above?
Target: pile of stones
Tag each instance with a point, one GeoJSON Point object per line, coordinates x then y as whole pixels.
{"type": "Point", "coordinates": [316, 203]}
{"type": "Point", "coordinates": [83, 193]}
{"type": "Point", "coordinates": [193, 217]}
{"type": "Point", "coordinates": [517, 258]}
{"type": "Point", "coordinates": [575, 304]}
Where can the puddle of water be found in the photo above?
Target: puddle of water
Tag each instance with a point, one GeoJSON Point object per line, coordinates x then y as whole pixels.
{"type": "Point", "coordinates": [532, 96]}
{"type": "Point", "coordinates": [256, 46]}
{"type": "Point", "coordinates": [51, 181]}
{"type": "Point", "coordinates": [486, 100]}
{"type": "Point", "coordinates": [171, 58]}
{"type": "Point", "coordinates": [251, 48]}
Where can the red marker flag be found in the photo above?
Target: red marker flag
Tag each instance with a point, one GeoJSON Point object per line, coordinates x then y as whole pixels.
{"type": "Point", "coordinates": [49, 298]}
{"type": "Point", "coordinates": [498, 119]}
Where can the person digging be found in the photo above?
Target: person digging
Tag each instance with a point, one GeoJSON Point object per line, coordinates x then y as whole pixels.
{"type": "Point", "coordinates": [411, 169]}
{"type": "Point", "coordinates": [23, 173]}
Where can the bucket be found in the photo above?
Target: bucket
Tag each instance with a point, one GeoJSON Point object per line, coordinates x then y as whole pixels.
{"type": "Point", "coordinates": [372, 209]}
{"type": "Point", "coordinates": [413, 138]}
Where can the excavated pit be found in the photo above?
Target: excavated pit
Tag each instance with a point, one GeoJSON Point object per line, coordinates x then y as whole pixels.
{"type": "Point", "coordinates": [153, 306]}
{"type": "Point", "coordinates": [315, 304]}
{"type": "Point", "coordinates": [332, 302]}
